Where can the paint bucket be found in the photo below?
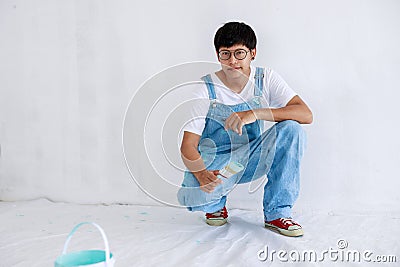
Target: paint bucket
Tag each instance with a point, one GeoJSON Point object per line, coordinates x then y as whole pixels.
{"type": "Point", "coordinates": [86, 258]}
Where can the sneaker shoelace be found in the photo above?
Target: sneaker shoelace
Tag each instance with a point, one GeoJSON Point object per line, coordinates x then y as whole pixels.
{"type": "Point", "coordinates": [219, 213]}
{"type": "Point", "coordinates": [288, 222]}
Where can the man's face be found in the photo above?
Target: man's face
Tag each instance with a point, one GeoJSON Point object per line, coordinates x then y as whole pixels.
{"type": "Point", "coordinates": [235, 60]}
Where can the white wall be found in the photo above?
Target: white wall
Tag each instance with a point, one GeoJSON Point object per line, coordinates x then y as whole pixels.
{"type": "Point", "coordinates": [69, 69]}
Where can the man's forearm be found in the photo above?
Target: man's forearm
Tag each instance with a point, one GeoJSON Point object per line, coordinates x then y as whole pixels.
{"type": "Point", "coordinates": [293, 112]}
{"type": "Point", "coordinates": [192, 160]}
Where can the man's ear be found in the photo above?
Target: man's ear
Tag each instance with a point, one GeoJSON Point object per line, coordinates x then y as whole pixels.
{"type": "Point", "coordinates": [253, 53]}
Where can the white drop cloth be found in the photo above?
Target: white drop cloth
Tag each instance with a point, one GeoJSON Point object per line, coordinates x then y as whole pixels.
{"type": "Point", "coordinates": [32, 233]}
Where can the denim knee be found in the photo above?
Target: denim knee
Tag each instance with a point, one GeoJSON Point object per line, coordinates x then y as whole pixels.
{"type": "Point", "coordinates": [291, 127]}
{"type": "Point", "coordinates": [288, 124]}
{"type": "Point", "coordinates": [292, 130]}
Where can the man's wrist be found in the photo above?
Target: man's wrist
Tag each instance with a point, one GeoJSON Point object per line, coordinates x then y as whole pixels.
{"type": "Point", "coordinates": [198, 174]}
{"type": "Point", "coordinates": [263, 114]}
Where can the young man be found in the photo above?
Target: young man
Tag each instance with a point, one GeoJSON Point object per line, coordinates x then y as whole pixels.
{"type": "Point", "coordinates": [241, 98]}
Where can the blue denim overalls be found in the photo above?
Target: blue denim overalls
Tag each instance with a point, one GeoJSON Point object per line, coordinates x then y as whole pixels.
{"type": "Point", "coordinates": [276, 153]}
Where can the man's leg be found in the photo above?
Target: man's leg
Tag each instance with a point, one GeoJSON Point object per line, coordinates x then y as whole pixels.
{"type": "Point", "coordinates": [282, 188]}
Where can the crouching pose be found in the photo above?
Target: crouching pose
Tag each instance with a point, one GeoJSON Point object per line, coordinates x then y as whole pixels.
{"type": "Point", "coordinates": [230, 131]}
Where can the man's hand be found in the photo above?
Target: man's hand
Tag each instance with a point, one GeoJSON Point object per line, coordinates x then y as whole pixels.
{"type": "Point", "coordinates": [208, 180]}
{"type": "Point", "coordinates": [237, 120]}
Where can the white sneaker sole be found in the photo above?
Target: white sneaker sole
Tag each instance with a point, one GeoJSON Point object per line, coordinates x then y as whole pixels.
{"type": "Point", "coordinates": [216, 222]}
{"type": "Point", "coordinates": [292, 233]}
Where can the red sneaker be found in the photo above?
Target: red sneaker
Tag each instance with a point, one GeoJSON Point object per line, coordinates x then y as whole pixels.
{"type": "Point", "coordinates": [285, 226]}
{"type": "Point", "coordinates": [217, 218]}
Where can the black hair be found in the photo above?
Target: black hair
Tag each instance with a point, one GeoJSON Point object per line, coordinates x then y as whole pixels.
{"type": "Point", "coordinates": [234, 33]}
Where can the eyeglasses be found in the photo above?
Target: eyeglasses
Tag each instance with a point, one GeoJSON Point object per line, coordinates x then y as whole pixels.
{"type": "Point", "coordinates": [238, 54]}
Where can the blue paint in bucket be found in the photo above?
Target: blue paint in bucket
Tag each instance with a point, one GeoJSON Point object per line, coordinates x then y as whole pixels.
{"type": "Point", "coordinates": [79, 258]}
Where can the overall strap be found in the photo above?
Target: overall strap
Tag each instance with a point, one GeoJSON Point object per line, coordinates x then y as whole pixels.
{"type": "Point", "coordinates": [259, 81]}
{"type": "Point", "coordinates": [210, 86]}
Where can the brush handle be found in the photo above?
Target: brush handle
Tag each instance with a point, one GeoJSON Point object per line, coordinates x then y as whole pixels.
{"type": "Point", "coordinates": [231, 169]}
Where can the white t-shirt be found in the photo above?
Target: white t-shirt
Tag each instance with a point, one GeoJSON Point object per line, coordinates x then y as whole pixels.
{"type": "Point", "coordinates": [276, 94]}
